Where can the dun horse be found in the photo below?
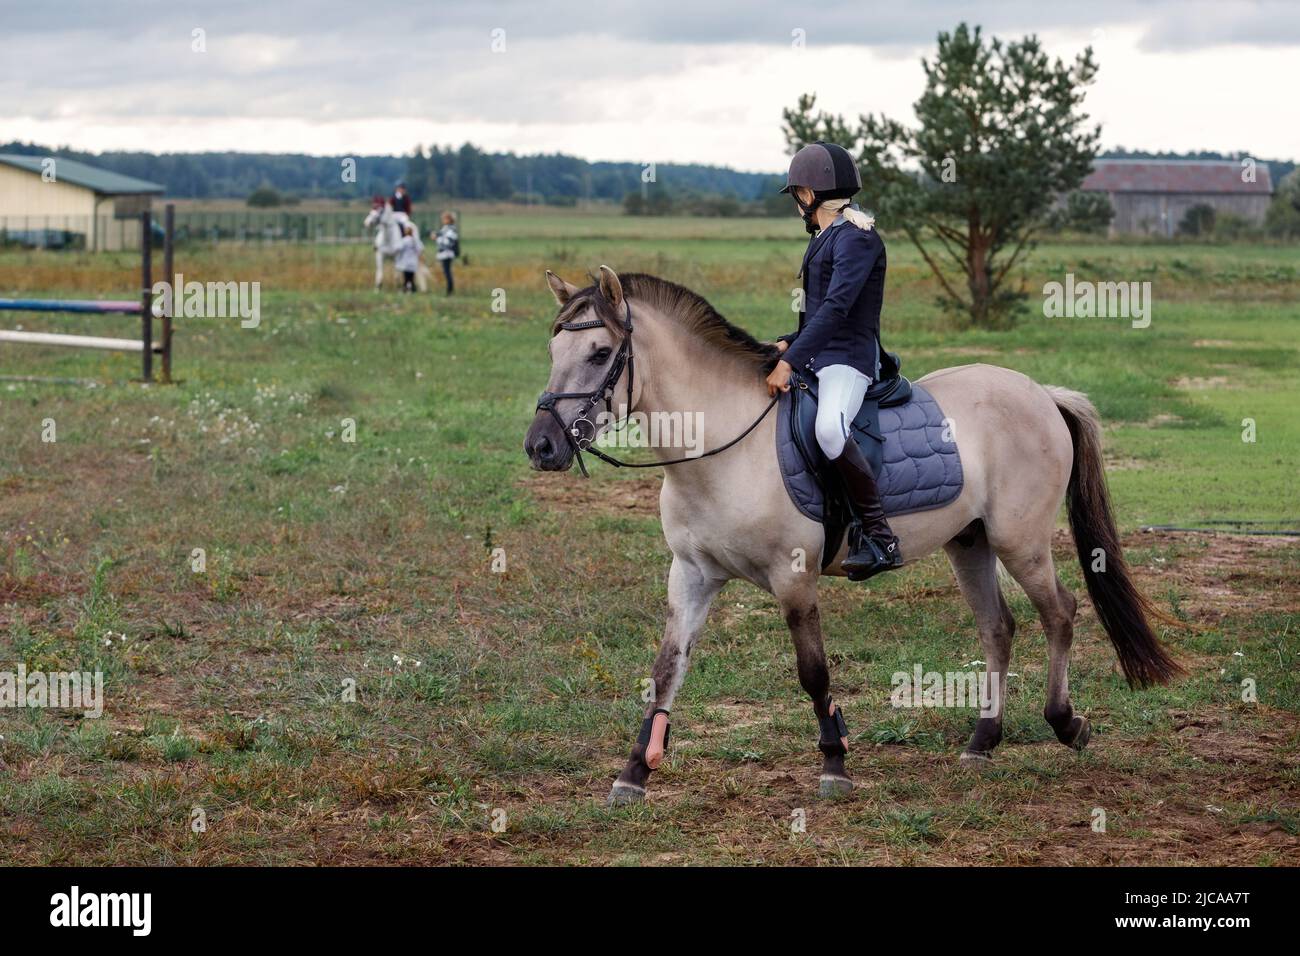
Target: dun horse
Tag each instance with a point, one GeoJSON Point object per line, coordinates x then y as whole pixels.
{"type": "Point", "coordinates": [1025, 448]}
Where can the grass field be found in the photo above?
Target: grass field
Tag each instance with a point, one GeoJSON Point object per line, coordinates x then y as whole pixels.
{"type": "Point", "coordinates": [370, 562]}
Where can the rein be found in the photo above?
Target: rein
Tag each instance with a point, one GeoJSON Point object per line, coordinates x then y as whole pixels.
{"type": "Point", "coordinates": [577, 433]}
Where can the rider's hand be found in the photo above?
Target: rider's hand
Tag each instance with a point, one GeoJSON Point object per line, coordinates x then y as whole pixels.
{"type": "Point", "coordinates": [779, 380]}
{"type": "Point", "coordinates": [781, 346]}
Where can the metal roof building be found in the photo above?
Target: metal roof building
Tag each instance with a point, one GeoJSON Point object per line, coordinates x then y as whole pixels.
{"type": "Point", "coordinates": [1151, 196]}
{"type": "Point", "coordinates": [48, 200]}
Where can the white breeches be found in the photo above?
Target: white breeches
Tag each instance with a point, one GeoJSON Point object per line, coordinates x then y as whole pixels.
{"type": "Point", "coordinates": [840, 390]}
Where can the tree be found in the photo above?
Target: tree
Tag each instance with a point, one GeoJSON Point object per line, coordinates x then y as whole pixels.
{"type": "Point", "coordinates": [264, 196]}
{"type": "Point", "coordinates": [1283, 217]}
{"type": "Point", "coordinates": [1000, 136]}
{"type": "Point", "coordinates": [1083, 212]}
{"type": "Point", "coordinates": [1197, 221]}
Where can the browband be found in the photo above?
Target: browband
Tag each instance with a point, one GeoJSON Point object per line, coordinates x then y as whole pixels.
{"type": "Point", "coordinates": [578, 326]}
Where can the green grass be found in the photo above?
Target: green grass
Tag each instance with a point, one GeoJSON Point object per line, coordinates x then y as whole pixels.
{"type": "Point", "coordinates": [332, 565]}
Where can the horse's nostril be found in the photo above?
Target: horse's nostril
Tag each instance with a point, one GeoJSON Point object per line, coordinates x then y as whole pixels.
{"type": "Point", "coordinates": [543, 448]}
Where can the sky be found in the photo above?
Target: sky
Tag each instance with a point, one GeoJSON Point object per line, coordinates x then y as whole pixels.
{"type": "Point", "coordinates": [607, 80]}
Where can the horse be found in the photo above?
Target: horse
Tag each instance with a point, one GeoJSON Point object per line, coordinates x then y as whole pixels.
{"type": "Point", "coordinates": [388, 233]}
{"type": "Point", "coordinates": [1025, 449]}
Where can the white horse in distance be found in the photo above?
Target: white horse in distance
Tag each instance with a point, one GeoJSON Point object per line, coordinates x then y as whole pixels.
{"type": "Point", "coordinates": [387, 225]}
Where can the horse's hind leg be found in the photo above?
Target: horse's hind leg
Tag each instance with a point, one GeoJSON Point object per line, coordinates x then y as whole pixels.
{"type": "Point", "coordinates": [691, 589]}
{"type": "Point", "coordinates": [975, 565]}
{"type": "Point", "coordinates": [1035, 572]}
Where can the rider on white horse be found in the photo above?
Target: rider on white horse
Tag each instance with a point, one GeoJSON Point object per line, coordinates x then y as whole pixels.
{"type": "Point", "coordinates": [389, 228]}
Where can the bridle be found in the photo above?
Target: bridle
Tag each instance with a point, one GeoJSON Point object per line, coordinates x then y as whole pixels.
{"type": "Point", "coordinates": [581, 435]}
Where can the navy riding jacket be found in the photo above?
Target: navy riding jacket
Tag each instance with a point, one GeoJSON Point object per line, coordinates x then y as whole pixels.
{"type": "Point", "coordinates": [844, 285]}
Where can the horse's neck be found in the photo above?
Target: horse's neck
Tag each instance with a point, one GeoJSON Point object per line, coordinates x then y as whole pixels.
{"type": "Point", "coordinates": [386, 235]}
{"type": "Point", "coordinates": [679, 374]}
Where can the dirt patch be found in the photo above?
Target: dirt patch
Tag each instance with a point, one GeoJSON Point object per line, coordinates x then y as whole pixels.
{"type": "Point", "coordinates": [1198, 384]}
{"type": "Point", "coordinates": [1124, 464]}
{"type": "Point", "coordinates": [633, 496]}
{"type": "Point", "coordinates": [1228, 575]}
{"type": "Point", "coordinates": [1161, 420]}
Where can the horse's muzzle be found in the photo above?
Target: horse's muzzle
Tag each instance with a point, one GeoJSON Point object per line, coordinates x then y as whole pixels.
{"type": "Point", "coordinates": [546, 447]}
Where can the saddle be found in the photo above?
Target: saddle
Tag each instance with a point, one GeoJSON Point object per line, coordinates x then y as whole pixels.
{"type": "Point", "coordinates": [902, 433]}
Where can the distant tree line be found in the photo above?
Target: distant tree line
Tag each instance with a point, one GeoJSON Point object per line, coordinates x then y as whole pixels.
{"type": "Point", "coordinates": [464, 172]}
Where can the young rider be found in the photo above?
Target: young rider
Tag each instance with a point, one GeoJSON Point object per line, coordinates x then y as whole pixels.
{"type": "Point", "coordinates": [839, 336]}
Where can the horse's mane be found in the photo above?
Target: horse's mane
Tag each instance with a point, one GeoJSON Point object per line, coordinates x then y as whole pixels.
{"type": "Point", "coordinates": [689, 309]}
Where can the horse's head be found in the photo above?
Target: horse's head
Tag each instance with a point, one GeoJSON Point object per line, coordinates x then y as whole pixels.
{"type": "Point", "coordinates": [589, 348]}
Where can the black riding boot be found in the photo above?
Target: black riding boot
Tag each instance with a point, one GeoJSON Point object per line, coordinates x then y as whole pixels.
{"type": "Point", "coordinates": [872, 545]}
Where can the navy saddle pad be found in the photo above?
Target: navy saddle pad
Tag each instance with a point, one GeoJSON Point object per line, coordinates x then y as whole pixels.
{"type": "Point", "coordinates": [901, 430]}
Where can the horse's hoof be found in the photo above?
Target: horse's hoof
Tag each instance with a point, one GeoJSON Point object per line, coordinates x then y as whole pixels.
{"type": "Point", "coordinates": [1082, 732]}
{"type": "Point", "coordinates": [975, 759]}
{"type": "Point", "coordinates": [625, 794]}
{"type": "Point", "coordinates": [833, 786]}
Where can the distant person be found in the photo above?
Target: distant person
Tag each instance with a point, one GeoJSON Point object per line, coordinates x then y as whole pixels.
{"type": "Point", "coordinates": [448, 248]}
{"type": "Point", "coordinates": [408, 257]}
{"type": "Point", "coordinates": [401, 199]}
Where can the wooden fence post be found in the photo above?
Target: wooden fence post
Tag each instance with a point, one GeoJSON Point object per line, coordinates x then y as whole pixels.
{"type": "Point", "coordinates": [169, 275]}
{"type": "Point", "coordinates": [146, 294]}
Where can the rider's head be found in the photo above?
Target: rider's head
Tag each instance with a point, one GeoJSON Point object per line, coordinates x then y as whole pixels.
{"type": "Point", "coordinates": [818, 172]}
{"type": "Point", "coordinates": [400, 187]}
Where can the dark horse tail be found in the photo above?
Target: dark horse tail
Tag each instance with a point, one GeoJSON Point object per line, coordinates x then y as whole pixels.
{"type": "Point", "coordinates": [1120, 606]}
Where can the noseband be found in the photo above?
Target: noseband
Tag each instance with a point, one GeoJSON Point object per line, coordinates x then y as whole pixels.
{"type": "Point", "coordinates": [582, 433]}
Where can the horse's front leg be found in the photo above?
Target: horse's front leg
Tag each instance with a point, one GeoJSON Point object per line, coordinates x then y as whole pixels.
{"type": "Point", "coordinates": [691, 590]}
{"type": "Point", "coordinates": [379, 269]}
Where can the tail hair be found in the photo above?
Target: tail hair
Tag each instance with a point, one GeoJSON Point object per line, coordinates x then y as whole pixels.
{"type": "Point", "coordinates": [1123, 610]}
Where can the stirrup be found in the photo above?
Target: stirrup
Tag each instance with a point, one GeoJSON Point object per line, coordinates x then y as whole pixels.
{"type": "Point", "coordinates": [882, 554]}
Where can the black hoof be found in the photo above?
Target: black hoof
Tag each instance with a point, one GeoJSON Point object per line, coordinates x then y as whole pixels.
{"type": "Point", "coordinates": [833, 786]}
{"type": "Point", "coordinates": [1080, 733]}
{"type": "Point", "coordinates": [625, 794]}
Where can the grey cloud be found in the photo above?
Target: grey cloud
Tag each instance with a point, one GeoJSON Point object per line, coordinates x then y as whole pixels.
{"type": "Point", "coordinates": [1173, 24]}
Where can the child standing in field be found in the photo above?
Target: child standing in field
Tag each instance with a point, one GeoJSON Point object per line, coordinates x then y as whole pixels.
{"type": "Point", "coordinates": [448, 248]}
{"type": "Point", "coordinates": [408, 258]}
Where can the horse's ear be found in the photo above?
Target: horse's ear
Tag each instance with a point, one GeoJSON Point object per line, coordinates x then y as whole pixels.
{"type": "Point", "coordinates": [610, 287]}
{"type": "Point", "coordinates": [562, 290]}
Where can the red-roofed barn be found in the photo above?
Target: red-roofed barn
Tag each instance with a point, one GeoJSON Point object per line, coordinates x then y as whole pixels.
{"type": "Point", "coordinates": [1151, 196]}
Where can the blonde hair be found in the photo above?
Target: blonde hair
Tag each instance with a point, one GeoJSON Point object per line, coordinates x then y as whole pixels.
{"type": "Point", "coordinates": [856, 216]}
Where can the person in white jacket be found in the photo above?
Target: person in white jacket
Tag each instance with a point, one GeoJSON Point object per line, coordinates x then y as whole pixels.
{"type": "Point", "coordinates": [408, 257]}
{"type": "Point", "coordinates": [448, 248]}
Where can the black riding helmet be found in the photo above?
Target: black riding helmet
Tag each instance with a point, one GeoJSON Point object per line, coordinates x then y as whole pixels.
{"type": "Point", "coordinates": [828, 170]}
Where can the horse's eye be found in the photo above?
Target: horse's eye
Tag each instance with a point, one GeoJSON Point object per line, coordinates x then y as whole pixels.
{"type": "Point", "coordinates": [601, 356]}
